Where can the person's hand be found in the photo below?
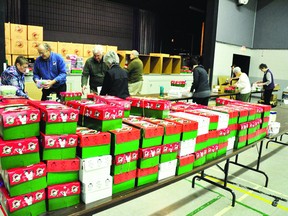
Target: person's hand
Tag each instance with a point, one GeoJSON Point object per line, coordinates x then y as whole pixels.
{"type": "Point", "coordinates": [49, 84]}
{"type": "Point", "coordinates": [83, 89]}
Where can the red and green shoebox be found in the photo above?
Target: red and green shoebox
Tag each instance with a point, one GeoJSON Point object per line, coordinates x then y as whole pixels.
{"type": "Point", "coordinates": [200, 157]}
{"type": "Point", "coordinates": [187, 147]}
{"type": "Point", "coordinates": [212, 152]}
{"type": "Point", "coordinates": [262, 133]}
{"type": "Point", "coordinates": [92, 143]}
{"type": "Point", "coordinates": [27, 204]}
{"type": "Point", "coordinates": [63, 195]}
{"type": "Point", "coordinates": [233, 114]}
{"type": "Point", "coordinates": [92, 168]}
{"type": "Point", "coordinates": [243, 113]}
{"type": "Point", "coordinates": [19, 153]}
{"type": "Point", "coordinates": [147, 175]}
{"type": "Point", "coordinates": [251, 109]}
{"type": "Point", "coordinates": [241, 137]}
{"type": "Point", "coordinates": [62, 171]}
{"type": "Point", "coordinates": [124, 181]}
{"type": "Point", "coordinates": [265, 122]}
{"type": "Point", "coordinates": [189, 127]}
{"type": "Point", "coordinates": [19, 121]}
{"type": "Point", "coordinates": [124, 162]}
{"type": "Point", "coordinates": [185, 164]}
{"type": "Point", "coordinates": [79, 105]}
{"type": "Point", "coordinates": [151, 134]}
{"type": "Point", "coordinates": [181, 106]}
{"type": "Point", "coordinates": [223, 101]}
{"type": "Point", "coordinates": [223, 135]}
{"type": "Point", "coordinates": [57, 147]}
{"type": "Point", "coordinates": [167, 169]}
{"type": "Point", "coordinates": [201, 142]}
{"type": "Point", "coordinates": [169, 152]}
{"type": "Point", "coordinates": [114, 101]}
{"type": "Point", "coordinates": [213, 137]}
{"type": "Point", "coordinates": [213, 117]}
{"type": "Point", "coordinates": [23, 180]}
{"type": "Point", "coordinates": [149, 157]}
{"type": "Point", "coordinates": [69, 96]}
{"type": "Point", "coordinates": [222, 149]}
{"type": "Point", "coordinates": [172, 131]}
{"type": "Point", "coordinates": [56, 118]}
{"type": "Point", "coordinates": [125, 139]}
{"type": "Point", "coordinates": [233, 130]}
{"type": "Point", "coordinates": [103, 117]}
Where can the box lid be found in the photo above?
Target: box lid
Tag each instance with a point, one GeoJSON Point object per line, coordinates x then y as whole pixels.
{"type": "Point", "coordinates": [66, 165]}
{"type": "Point", "coordinates": [90, 137]}
{"type": "Point", "coordinates": [125, 158]}
{"type": "Point", "coordinates": [125, 134]}
{"type": "Point", "coordinates": [150, 152]}
{"type": "Point", "coordinates": [91, 164]}
{"type": "Point", "coordinates": [63, 190]}
{"type": "Point", "coordinates": [58, 141]}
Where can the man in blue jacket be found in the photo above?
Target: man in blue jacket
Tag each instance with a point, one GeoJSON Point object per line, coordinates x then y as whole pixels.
{"type": "Point", "coordinates": [51, 68]}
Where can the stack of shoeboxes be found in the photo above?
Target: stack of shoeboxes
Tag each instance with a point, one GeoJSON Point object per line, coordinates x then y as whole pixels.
{"type": "Point", "coordinates": [58, 142]}
{"type": "Point", "coordinates": [149, 151]}
{"type": "Point", "coordinates": [69, 96]}
{"type": "Point", "coordinates": [23, 174]}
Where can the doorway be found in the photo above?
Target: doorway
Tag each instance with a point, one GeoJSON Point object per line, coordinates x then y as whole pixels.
{"type": "Point", "coordinates": [242, 61]}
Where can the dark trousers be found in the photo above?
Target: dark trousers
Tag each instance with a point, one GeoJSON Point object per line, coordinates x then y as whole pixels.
{"type": "Point", "coordinates": [202, 101]}
{"type": "Point", "coordinates": [47, 92]}
{"type": "Point", "coordinates": [267, 96]}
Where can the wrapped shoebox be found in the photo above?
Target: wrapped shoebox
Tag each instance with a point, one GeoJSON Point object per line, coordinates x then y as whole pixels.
{"type": "Point", "coordinates": [252, 130]}
{"type": "Point", "coordinates": [151, 134]}
{"type": "Point", "coordinates": [185, 164]}
{"type": "Point", "coordinates": [223, 135]}
{"type": "Point", "coordinates": [212, 152]}
{"type": "Point", "coordinates": [233, 130]}
{"type": "Point", "coordinates": [62, 171]}
{"type": "Point", "coordinates": [147, 175]}
{"type": "Point", "coordinates": [56, 118]}
{"type": "Point", "coordinates": [125, 139]}
{"type": "Point", "coordinates": [63, 195]}
{"type": "Point", "coordinates": [19, 153]}
{"type": "Point", "coordinates": [68, 96]}
{"type": "Point", "coordinates": [27, 204]}
{"type": "Point", "coordinates": [223, 118]}
{"type": "Point", "coordinates": [92, 143]}
{"type": "Point", "coordinates": [231, 142]}
{"type": "Point", "coordinates": [124, 162]}
{"type": "Point", "coordinates": [200, 157]}
{"type": "Point", "coordinates": [251, 109]}
{"type": "Point", "coordinates": [202, 142]}
{"type": "Point", "coordinates": [18, 121]}
{"type": "Point", "coordinates": [57, 147]}
{"type": "Point", "coordinates": [242, 135]}
{"type": "Point", "coordinates": [214, 119]}
{"type": "Point", "coordinates": [222, 149]}
{"type": "Point", "coordinates": [189, 127]}
{"type": "Point", "coordinates": [243, 113]}
{"type": "Point", "coordinates": [23, 180]}
{"type": "Point", "coordinates": [124, 181]}
{"type": "Point", "coordinates": [167, 169]}
{"type": "Point", "coordinates": [232, 113]}
{"type": "Point", "coordinates": [96, 189]}
{"type": "Point", "coordinates": [187, 147]}
{"type": "Point", "coordinates": [91, 168]}
{"type": "Point", "coordinates": [213, 137]}
{"type": "Point", "coordinates": [149, 157]}
{"type": "Point", "coordinates": [172, 131]}
{"type": "Point", "coordinates": [103, 117]}
{"type": "Point", "coordinates": [169, 152]}
{"type": "Point", "coordinates": [181, 106]}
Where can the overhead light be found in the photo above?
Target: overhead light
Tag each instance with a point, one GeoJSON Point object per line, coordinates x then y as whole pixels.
{"type": "Point", "coordinates": [242, 2]}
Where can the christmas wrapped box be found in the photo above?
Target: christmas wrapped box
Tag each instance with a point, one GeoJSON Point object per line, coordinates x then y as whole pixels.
{"type": "Point", "coordinates": [124, 162]}
{"type": "Point", "coordinates": [232, 113]}
{"type": "Point", "coordinates": [27, 204]}
{"type": "Point", "coordinates": [242, 112]}
{"type": "Point", "coordinates": [223, 135]}
{"type": "Point", "coordinates": [167, 169]}
{"type": "Point", "coordinates": [200, 157]}
{"type": "Point", "coordinates": [103, 117]}
{"type": "Point", "coordinates": [151, 134]}
{"type": "Point", "coordinates": [56, 147]}
{"type": "Point", "coordinates": [212, 152]}
{"type": "Point", "coordinates": [23, 180]}
{"type": "Point", "coordinates": [172, 131]}
{"type": "Point", "coordinates": [212, 116]}
{"type": "Point", "coordinates": [213, 137]}
{"type": "Point", "coordinates": [169, 152]}
{"type": "Point", "coordinates": [149, 157]}
{"type": "Point", "coordinates": [92, 143]}
{"type": "Point", "coordinates": [251, 138]}
{"type": "Point", "coordinates": [19, 153]}
{"type": "Point", "coordinates": [231, 143]}
{"type": "Point", "coordinates": [187, 147]}
{"type": "Point", "coordinates": [185, 164]}
{"type": "Point", "coordinates": [251, 109]}
{"type": "Point", "coordinates": [147, 175]}
{"type": "Point", "coordinates": [62, 171]}
{"type": "Point", "coordinates": [233, 130]}
{"type": "Point", "coordinates": [18, 121]}
{"type": "Point", "coordinates": [69, 96]}
{"type": "Point", "coordinates": [96, 189]}
{"type": "Point", "coordinates": [125, 139]}
{"type": "Point", "coordinates": [63, 195]}
{"type": "Point", "coordinates": [201, 142]}
{"type": "Point", "coordinates": [223, 118]}
{"type": "Point", "coordinates": [56, 118]}
{"type": "Point", "coordinates": [181, 106]}
{"type": "Point", "coordinates": [222, 149]}
{"type": "Point", "coordinates": [91, 168]}
{"type": "Point", "coordinates": [189, 127]}
{"type": "Point", "coordinates": [124, 181]}
{"type": "Point", "coordinates": [265, 122]}
{"type": "Point", "coordinates": [262, 133]}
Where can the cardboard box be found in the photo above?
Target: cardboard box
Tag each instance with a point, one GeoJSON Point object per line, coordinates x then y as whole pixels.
{"type": "Point", "coordinates": [77, 49]}
{"type": "Point", "coordinates": [18, 32]}
{"type": "Point", "coordinates": [19, 46]}
{"type": "Point", "coordinates": [88, 50]}
{"type": "Point", "coordinates": [7, 46]}
{"type": "Point", "coordinates": [123, 186]}
{"type": "Point", "coordinates": [9, 60]}
{"type": "Point", "coordinates": [110, 48]}
{"type": "Point", "coordinates": [169, 152]}
{"type": "Point", "coordinates": [147, 175]}
{"type": "Point", "coordinates": [200, 157]}
{"type": "Point", "coordinates": [14, 59]}
{"type": "Point", "coordinates": [187, 147]}
{"type": "Point", "coordinates": [149, 157]}
{"type": "Point", "coordinates": [124, 163]}
{"type": "Point", "coordinates": [35, 33]}
{"type": "Point", "coordinates": [185, 164]}
{"type": "Point", "coordinates": [7, 31]}
{"type": "Point", "coordinates": [64, 48]}
{"type": "Point", "coordinates": [167, 169]}
{"type": "Point", "coordinates": [53, 45]}
{"type": "Point", "coordinates": [33, 48]}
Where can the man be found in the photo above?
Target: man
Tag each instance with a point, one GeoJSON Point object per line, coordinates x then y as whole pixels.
{"type": "Point", "coordinates": [267, 83]}
{"type": "Point", "coordinates": [50, 66]}
{"type": "Point", "coordinates": [135, 71]}
{"type": "Point", "coordinates": [243, 84]}
{"type": "Point", "coordinates": [95, 70]}
{"type": "Point", "coordinates": [14, 76]}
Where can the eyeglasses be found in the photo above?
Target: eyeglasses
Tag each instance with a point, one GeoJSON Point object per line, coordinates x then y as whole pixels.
{"type": "Point", "coordinates": [42, 53]}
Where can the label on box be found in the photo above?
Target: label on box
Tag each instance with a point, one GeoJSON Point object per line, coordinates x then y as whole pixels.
{"type": "Point", "coordinates": [168, 148]}
{"type": "Point", "coordinates": [59, 141]}
{"type": "Point", "coordinates": [126, 134]}
{"type": "Point", "coordinates": [23, 174]}
{"type": "Point", "coordinates": [126, 158]}
{"type": "Point", "coordinates": [70, 94]}
{"type": "Point", "coordinates": [243, 126]}
{"type": "Point", "coordinates": [150, 152]}
{"type": "Point", "coordinates": [224, 132]}
{"type": "Point", "coordinates": [19, 202]}
{"type": "Point", "coordinates": [14, 115]}
{"type": "Point", "coordinates": [18, 147]}
{"type": "Point", "coordinates": [63, 190]}
{"type": "Point", "coordinates": [103, 112]}
{"type": "Point", "coordinates": [95, 163]}
{"type": "Point", "coordinates": [63, 165]}
{"type": "Point", "coordinates": [90, 137]}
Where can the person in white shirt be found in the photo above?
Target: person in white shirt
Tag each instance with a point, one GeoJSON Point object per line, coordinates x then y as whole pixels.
{"type": "Point", "coordinates": [243, 85]}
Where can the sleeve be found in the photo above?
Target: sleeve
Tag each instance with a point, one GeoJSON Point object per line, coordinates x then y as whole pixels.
{"type": "Point", "coordinates": [85, 74]}
{"type": "Point", "coordinates": [195, 83]}
{"type": "Point", "coordinates": [131, 67]}
{"type": "Point", "coordinates": [36, 75]}
{"type": "Point", "coordinates": [61, 78]}
{"type": "Point", "coordinates": [107, 83]}
{"type": "Point", "coordinates": [11, 79]}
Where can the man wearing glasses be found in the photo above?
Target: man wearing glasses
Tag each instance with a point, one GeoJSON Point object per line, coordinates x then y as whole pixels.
{"type": "Point", "coordinates": [51, 68]}
{"type": "Point", "coordinates": [95, 70]}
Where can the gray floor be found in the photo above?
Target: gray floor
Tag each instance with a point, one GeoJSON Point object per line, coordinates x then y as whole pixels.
{"type": "Point", "coordinates": [252, 198]}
